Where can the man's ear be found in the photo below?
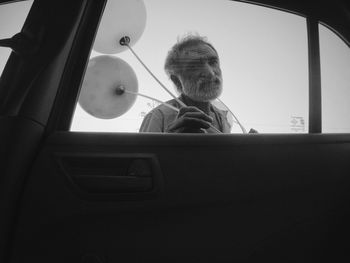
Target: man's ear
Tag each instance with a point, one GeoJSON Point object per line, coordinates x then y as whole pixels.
{"type": "Point", "coordinates": [176, 81]}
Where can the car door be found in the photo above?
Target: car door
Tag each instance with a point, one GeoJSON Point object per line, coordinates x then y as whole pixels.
{"type": "Point", "coordinates": [108, 197]}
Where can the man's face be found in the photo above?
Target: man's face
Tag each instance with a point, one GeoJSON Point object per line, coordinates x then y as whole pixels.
{"type": "Point", "coordinates": [201, 75]}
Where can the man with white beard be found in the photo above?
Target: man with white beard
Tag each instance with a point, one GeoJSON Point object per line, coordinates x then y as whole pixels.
{"type": "Point", "coordinates": [193, 66]}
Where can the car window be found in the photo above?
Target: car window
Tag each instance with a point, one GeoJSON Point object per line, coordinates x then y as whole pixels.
{"type": "Point", "coordinates": [12, 17]}
{"type": "Point", "coordinates": [263, 57]}
{"type": "Point", "coordinates": [335, 73]}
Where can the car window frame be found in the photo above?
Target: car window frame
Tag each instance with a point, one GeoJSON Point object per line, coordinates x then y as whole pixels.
{"type": "Point", "coordinates": [61, 119]}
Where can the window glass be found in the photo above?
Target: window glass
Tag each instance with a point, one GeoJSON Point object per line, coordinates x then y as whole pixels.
{"type": "Point", "coordinates": [263, 58]}
{"type": "Point", "coordinates": [335, 73]}
{"type": "Point", "coordinates": [12, 17]}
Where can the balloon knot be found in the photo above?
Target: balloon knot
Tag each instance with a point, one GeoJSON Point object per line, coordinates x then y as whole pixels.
{"type": "Point", "coordinates": [120, 90]}
{"type": "Point", "coordinates": [124, 41]}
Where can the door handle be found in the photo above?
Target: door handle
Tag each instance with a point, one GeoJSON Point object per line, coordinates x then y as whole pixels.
{"type": "Point", "coordinates": [97, 173]}
{"type": "Point", "coordinates": [113, 184]}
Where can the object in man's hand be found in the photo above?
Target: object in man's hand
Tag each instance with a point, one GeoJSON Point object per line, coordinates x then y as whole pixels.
{"type": "Point", "coordinates": [253, 131]}
{"type": "Point", "coordinates": [190, 120]}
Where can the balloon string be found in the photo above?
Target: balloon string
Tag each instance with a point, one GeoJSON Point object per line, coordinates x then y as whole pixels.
{"type": "Point", "coordinates": [161, 84]}
{"type": "Point", "coordinates": [148, 97]}
{"type": "Point", "coordinates": [240, 125]}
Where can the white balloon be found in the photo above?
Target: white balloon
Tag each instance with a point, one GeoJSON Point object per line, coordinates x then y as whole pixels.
{"type": "Point", "coordinates": [99, 96]}
{"type": "Point", "coordinates": [121, 18]}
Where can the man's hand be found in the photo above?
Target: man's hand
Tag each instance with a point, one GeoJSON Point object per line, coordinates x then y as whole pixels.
{"type": "Point", "coordinates": [190, 120]}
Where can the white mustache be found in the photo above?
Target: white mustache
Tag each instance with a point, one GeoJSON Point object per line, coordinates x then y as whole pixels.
{"type": "Point", "coordinates": [204, 80]}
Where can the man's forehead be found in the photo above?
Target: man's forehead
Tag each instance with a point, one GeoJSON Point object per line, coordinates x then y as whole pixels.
{"type": "Point", "coordinates": [199, 51]}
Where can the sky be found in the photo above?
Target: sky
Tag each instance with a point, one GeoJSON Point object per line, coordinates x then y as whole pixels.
{"type": "Point", "coordinates": [12, 17]}
{"type": "Point", "coordinates": [335, 72]}
{"type": "Point", "coordinates": [263, 57]}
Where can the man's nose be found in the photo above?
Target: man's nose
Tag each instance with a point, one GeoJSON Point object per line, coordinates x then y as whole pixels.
{"type": "Point", "coordinates": [209, 70]}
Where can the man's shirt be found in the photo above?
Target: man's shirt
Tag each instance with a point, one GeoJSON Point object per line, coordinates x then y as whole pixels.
{"type": "Point", "coordinates": [162, 116]}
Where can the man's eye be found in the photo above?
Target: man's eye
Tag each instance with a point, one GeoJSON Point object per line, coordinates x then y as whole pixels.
{"type": "Point", "coordinates": [213, 61]}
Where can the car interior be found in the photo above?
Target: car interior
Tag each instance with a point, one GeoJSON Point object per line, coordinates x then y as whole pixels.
{"type": "Point", "coordinates": [88, 196]}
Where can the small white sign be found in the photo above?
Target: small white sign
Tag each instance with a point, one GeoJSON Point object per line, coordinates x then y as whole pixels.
{"type": "Point", "coordinates": [297, 124]}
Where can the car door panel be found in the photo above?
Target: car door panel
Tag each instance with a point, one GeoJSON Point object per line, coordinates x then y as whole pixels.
{"type": "Point", "coordinates": [258, 204]}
